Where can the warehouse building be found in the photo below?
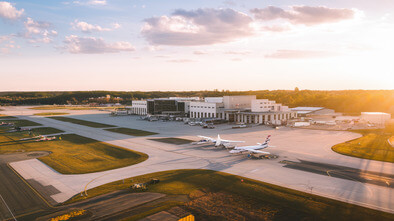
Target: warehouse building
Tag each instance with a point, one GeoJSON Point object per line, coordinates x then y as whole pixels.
{"type": "Point", "coordinates": [308, 111]}
{"type": "Point", "coordinates": [376, 118]}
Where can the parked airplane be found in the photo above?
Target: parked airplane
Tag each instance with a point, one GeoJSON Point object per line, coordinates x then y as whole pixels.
{"type": "Point", "coordinates": [253, 149]}
{"type": "Point", "coordinates": [218, 141]}
{"type": "Point", "coordinates": [45, 138]}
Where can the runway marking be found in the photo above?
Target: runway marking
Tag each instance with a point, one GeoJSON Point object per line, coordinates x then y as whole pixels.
{"type": "Point", "coordinates": [85, 189]}
{"type": "Point", "coordinates": [7, 207]}
{"type": "Point", "coordinates": [363, 184]}
{"type": "Point", "coordinates": [34, 190]}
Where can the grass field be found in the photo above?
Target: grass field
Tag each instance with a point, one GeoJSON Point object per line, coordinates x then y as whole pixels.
{"type": "Point", "coordinates": [74, 154]}
{"type": "Point", "coordinates": [59, 107]}
{"type": "Point", "coordinates": [173, 140]}
{"type": "Point", "coordinates": [50, 113]}
{"type": "Point", "coordinates": [45, 130]}
{"type": "Point", "coordinates": [82, 122]}
{"type": "Point", "coordinates": [2, 116]}
{"type": "Point", "coordinates": [23, 123]}
{"type": "Point", "coordinates": [132, 132]}
{"type": "Point", "coordinates": [220, 196]}
{"type": "Point", "coordinates": [372, 145]}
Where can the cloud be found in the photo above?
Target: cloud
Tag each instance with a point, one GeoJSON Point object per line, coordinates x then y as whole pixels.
{"type": "Point", "coordinates": [7, 44]}
{"type": "Point", "coordinates": [8, 11]}
{"type": "Point", "coordinates": [300, 54]}
{"type": "Point", "coordinates": [38, 31]}
{"type": "Point", "coordinates": [180, 60]}
{"type": "Point", "coordinates": [97, 2]}
{"type": "Point", "coordinates": [86, 27]}
{"type": "Point", "coordinates": [92, 45]}
{"type": "Point", "coordinates": [197, 27]}
{"type": "Point", "coordinates": [307, 15]}
{"type": "Point", "coordinates": [198, 52]}
{"type": "Point", "coordinates": [90, 2]}
{"type": "Point", "coordinates": [237, 52]}
{"type": "Point", "coordinates": [116, 25]}
{"type": "Point", "coordinates": [276, 28]}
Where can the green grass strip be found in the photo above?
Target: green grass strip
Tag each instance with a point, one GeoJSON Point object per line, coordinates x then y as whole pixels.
{"type": "Point", "coordinates": [82, 122]}
{"type": "Point", "coordinates": [50, 113]}
{"type": "Point", "coordinates": [132, 132]}
{"type": "Point", "coordinates": [373, 145]}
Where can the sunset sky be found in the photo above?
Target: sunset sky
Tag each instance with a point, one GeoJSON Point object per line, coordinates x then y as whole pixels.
{"type": "Point", "coordinates": [196, 45]}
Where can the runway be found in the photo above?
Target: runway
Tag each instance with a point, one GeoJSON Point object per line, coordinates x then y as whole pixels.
{"type": "Point", "coordinates": [293, 145]}
{"type": "Point", "coordinates": [16, 197]}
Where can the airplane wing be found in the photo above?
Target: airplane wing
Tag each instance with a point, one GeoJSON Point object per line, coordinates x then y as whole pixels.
{"type": "Point", "coordinates": [207, 138]}
{"type": "Point", "coordinates": [257, 151]}
{"type": "Point", "coordinates": [233, 141]}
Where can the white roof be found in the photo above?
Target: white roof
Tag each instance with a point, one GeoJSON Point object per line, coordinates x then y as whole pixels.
{"type": "Point", "coordinates": [306, 108]}
{"type": "Point", "coordinates": [374, 113]}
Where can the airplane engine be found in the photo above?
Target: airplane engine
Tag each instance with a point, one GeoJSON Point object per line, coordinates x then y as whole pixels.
{"type": "Point", "coordinates": [235, 151]}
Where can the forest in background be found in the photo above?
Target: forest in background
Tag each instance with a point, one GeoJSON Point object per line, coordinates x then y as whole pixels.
{"type": "Point", "coordinates": [345, 101]}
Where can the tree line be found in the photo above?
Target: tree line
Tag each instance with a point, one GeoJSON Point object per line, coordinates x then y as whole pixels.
{"type": "Point", "coordinates": [346, 101]}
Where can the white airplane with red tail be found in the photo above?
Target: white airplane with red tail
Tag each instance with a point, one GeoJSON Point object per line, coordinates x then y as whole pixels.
{"type": "Point", "coordinates": [256, 149]}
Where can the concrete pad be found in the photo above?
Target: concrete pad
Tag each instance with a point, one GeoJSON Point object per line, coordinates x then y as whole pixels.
{"type": "Point", "coordinates": [161, 216]}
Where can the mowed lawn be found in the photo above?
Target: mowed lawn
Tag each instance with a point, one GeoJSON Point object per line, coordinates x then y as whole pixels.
{"type": "Point", "coordinates": [82, 122]}
{"type": "Point", "coordinates": [2, 116]}
{"type": "Point", "coordinates": [74, 154]}
{"type": "Point", "coordinates": [132, 132]}
{"type": "Point", "coordinates": [60, 107]}
{"type": "Point", "coordinates": [51, 113]}
{"type": "Point", "coordinates": [221, 196]}
{"type": "Point", "coordinates": [31, 133]}
{"type": "Point", "coordinates": [372, 145]}
{"type": "Point", "coordinates": [23, 123]}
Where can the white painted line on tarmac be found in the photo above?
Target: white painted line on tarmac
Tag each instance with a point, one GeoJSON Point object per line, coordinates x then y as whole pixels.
{"type": "Point", "coordinates": [7, 207]}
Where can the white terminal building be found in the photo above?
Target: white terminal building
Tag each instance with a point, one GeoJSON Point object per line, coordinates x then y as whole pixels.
{"type": "Point", "coordinates": [242, 109]}
{"type": "Point", "coordinates": [139, 107]}
{"type": "Point", "coordinates": [238, 109]}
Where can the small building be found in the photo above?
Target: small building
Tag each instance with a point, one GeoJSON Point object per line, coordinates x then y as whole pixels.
{"type": "Point", "coordinates": [376, 118]}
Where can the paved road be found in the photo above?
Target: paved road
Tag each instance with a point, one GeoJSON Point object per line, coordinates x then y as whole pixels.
{"type": "Point", "coordinates": [291, 144]}
{"type": "Point", "coordinates": [16, 197]}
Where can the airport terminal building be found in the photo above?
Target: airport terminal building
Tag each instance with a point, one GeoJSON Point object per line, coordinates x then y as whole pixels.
{"type": "Point", "coordinates": [242, 109]}
{"type": "Point", "coordinates": [162, 106]}
{"type": "Point", "coordinates": [239, 109]}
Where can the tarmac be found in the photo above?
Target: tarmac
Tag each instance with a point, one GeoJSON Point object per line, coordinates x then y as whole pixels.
{"type": "Point", "coordinates": [295, 145]}
{"type": "Point", "coordinates": [16, 196]}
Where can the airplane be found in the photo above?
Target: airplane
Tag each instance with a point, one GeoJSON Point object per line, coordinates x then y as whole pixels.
{"type": "Point", "coordinates": [256, 149]}
{"type": "Point", "coordinates": [218, 141]}
{"type": "Point", "coordinates": [45, 138]}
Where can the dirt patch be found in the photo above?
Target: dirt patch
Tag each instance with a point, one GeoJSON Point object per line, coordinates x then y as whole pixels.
{"type": "Point", "coordinates": [224, 206]}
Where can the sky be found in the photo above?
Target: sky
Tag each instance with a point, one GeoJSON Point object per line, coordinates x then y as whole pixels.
{"type": "Point", "coordinates": [152, 45]}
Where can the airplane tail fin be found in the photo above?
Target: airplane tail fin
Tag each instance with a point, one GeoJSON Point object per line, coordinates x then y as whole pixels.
{"type": "Point", "coordinates": [267, 140]}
